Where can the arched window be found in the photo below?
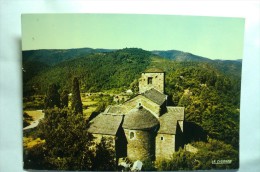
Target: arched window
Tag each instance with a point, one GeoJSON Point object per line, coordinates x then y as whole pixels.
{"type": "Point", "coordinates": [132, 135]}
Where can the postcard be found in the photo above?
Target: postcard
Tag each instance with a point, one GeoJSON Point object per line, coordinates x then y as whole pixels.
{"type": "Point", "coordinates": [131, 92]}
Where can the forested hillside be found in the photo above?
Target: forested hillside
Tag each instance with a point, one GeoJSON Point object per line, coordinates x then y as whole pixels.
{"type": "Point", "coordinates": [210, 97]}
{"type": "Point", "coordinates": [96, 72]}
{"type": "Point", "coordinates": [34, 61]}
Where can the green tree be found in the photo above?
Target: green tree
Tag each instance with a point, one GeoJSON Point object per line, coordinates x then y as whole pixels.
{"type": "Point", "coordinates": [34, 157]}
{"type": "Point", "coordinates": [52, 98]}
{"type": "Point", "coordinates": [202, 160]}
{"type": "Point", "coordinates": [134, 86]}
{"type": "Point", "coordinates": [76, 103]}
{"type": "Point", "coordinates": [100, 108]}
{"type": "Point", "coordinates": [148, 165]}
{"type": "Point", "coordinates": [68, 144]}
{"type": "Point", "coordinates": [105, 159]}
{"type": "Point", "coordinates": [64, 99]}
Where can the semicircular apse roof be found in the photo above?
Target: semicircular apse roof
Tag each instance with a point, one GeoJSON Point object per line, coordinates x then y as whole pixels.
{"type": "Point", "coordinates": [140, 118]}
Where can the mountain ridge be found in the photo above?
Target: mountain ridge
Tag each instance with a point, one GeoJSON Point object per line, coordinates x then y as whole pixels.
{"type": "Point", "coordinates": [175, 55]}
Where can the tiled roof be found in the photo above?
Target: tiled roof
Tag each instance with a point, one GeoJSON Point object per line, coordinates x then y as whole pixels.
{"type": "Point", "coordinates": [168, 121]}
{"type": "Point", "coordinates": [105, 124]}
{"type": "Point", "coordinates": [155, 96]}
{"type": "Point", "coordinates": [177, 111]}
{"type": "Point", "coordinates": [116, 109]}
{"type": "Point", "coordinates": [140, 118]}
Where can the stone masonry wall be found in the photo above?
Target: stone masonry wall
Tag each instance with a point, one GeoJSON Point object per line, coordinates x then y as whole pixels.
{"type": "Point", "coordinates": [140, 147]}
{"type": "Point", "coordinates": [165, 146]}
{"type": "Point", "coordinates": [146, 103]}
{"type": "Point", "coordinates": [157, 82]}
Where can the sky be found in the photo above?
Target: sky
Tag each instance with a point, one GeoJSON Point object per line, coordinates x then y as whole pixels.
{"type": "Point", "coordinates": [211, 37]}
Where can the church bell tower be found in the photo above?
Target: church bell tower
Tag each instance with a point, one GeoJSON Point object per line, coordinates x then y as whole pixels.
{"type": "Point", "coordinates": [152, 78]}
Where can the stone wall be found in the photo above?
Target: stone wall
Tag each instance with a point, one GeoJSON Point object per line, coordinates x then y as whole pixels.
{"type": "Point", "coordinates": [146, 103]}
{"type": "Point", "coordinates": [165, 146]}
{"type": "Point", "coordinates": [141, 146]}
{"type": "Point", "coordinates": [157, 82]}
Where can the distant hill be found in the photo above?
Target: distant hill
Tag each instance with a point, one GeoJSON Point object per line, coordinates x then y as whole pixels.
{"type": "Point", "coordinates": [34, 61]}
{"type": "Point", "coordinates": [232, 67]}
{"type": "Point", "coordinates": [180, 56]}
{"type": "Point", "coordinates": [55, 56]}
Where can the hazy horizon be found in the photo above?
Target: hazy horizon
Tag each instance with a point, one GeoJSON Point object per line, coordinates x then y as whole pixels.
{"type": "Point", "coordinates": [210, 37]}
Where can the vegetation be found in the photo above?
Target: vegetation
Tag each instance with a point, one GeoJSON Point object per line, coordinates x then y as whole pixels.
{"type": "Point", "coordinates": [64, 99]}
{"type": "Point", "coordinates": [26, 119]}
{"type": "Point", "coordinates": [96, 72]}
{"type": "Point", "coordinates": [210, 97]}
{"type": "Point", "coordinates": [67, 143]}
{"type": "Point", "coordinates": [105, 158]}
{"type": "Point", "coordinates": [52, 98]}
{"type": "Point", "coordinates": [33, 102]}
{"type": "Point", "coordinates": [61, 140]}
{"type": "Point", "coordinates": [206, 158]}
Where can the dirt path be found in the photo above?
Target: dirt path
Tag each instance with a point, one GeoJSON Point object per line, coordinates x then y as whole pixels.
{"type": "Point", "coordinates": [37, 115]}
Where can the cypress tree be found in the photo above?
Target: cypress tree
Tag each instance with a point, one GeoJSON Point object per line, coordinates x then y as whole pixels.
{"type": "Point", "coordinates": [64, 99]}
{"type": "Point", "coordinates": [52, 98]}
{"type": "Point", "coordinates": [76, 103]}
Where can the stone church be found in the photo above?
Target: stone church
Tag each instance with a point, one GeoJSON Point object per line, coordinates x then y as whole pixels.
{"type": "Point", "coordinates": [144, 126]}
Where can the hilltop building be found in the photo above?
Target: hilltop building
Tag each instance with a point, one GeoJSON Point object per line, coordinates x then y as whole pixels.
{"type": "Point", "coordinates": [144, 126]}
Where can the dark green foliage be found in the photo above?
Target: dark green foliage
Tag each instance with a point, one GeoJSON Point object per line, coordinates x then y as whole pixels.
{"type": "Point", "coordinates": [210, 97]}
{"type": "Point", "coordinates": [202, 160]}
{"type": "Point", "coordinates": [148, 165]}
{"type": "Point", "coordinates": [67, 141]}
{"type": "Point", "coordinates": [64, 99]}
{"type": "Point", "coordinates": [100, 108]}
{"type": "Point", "coordinates": [76, 103]}
{"type": "Point", "coordinates": [134, 86]}
{"type": "Point", "coordinates": [105, 159]}
{"type": "Point", "coordinates": [96, 72]}
{"type": "Point", "coordinates": [194, 132]}
{"type": "Point", "coordinates": [34, 102]}
{"type": "Point", "coordinates": [52, 57]}
{"type": "Point", "coordinates": [52, 98]}
{"type": "Point", "coordinates": [34, 157]}
{"type": "Point", "coordinates": [26, 119]}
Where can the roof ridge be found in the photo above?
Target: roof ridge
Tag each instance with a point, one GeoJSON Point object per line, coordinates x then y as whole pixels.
{"type": "Point", "coordinates": [155, 96]}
